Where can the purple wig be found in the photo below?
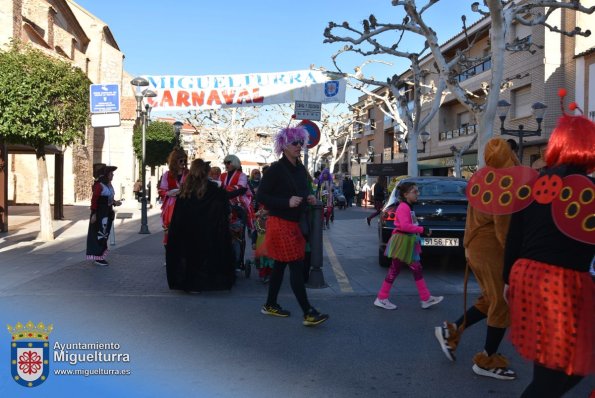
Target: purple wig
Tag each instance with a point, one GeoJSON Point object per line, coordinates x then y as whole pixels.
{"type": "Point", "coordinates": [326, 175]}
{"type": "Point", "coordinates": [288, 135]}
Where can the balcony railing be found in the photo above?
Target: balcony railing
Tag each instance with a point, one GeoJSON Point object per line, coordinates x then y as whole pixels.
{"type": "Point", "coordinates": [475, 70]}
{"type": "Point", "coordinates": [456, 133]}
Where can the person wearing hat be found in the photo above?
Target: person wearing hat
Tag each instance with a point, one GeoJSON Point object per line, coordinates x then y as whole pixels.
{"type": "Point", "coordinates": [102, 213]}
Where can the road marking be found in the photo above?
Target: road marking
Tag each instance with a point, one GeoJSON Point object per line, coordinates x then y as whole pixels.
{"type": "Point", "coordinates": [336, 266]}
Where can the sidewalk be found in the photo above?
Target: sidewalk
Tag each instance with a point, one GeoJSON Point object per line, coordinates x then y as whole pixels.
{"type": "Point", "coordinates": [20, 249]}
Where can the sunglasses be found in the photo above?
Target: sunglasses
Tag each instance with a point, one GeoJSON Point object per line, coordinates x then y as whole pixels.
{"type": "Point", "coordinates": [227, 162]}
{"type": "Point", "coordinates": [296, 143]}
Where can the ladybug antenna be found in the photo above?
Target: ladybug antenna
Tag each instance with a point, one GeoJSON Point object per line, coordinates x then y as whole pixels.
{"type": "Point", "coordinates": [573, 106]}
{"type": "Point", "coordinates": [562, 94]}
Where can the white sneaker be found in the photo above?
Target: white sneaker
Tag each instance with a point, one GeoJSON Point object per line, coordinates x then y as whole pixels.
{"type": "Point", "coordinates": [386, 304]}
{"type": "Point", "coordinates": [431, 301]}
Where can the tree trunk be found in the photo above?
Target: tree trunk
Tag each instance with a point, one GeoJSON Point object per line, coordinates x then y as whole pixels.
{"type": "Point", "coordinates": [412, 170]}
{"type": "Point", "coordinates": [500, 22]}
{"type": "Point", "coordinates": [46, 227]}
{"type": "Point", "coordinates": [458, 162]}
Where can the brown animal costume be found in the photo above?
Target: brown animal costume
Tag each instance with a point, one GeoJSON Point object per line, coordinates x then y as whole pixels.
{"type": "Point", "coordinates": [484, 241]}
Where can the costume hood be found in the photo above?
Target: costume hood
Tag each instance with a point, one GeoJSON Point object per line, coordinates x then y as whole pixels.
{"type": "Point", "coordinates": [498, 154]}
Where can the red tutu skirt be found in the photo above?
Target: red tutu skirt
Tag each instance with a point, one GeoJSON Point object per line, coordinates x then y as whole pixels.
{"type": "Point", "coordinates": [283, 241]}
{"type": "Point", "coordinates": [552, 316]}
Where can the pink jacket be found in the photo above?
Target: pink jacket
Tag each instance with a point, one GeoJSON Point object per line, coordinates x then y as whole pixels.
{"type": "Point", "coordinates": [404, 220]}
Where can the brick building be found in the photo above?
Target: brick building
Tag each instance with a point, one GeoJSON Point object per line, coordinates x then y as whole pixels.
{"type": "Point", "coordinates": [557, 61]}
{"type": "Point", "coordinates": [63, 29]}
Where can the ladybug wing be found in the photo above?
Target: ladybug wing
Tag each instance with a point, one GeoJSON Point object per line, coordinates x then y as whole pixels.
{"type": "Point", "coordinates": [501, 191]}
{"type": "Point", "coordinates": [573, 210]}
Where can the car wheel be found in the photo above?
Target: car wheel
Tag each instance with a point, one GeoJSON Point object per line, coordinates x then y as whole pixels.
{"type": "Point", "coordinates": [383, 261]}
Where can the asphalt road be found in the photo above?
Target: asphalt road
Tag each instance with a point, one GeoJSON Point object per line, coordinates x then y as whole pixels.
{"type": "Point", "coordinates": [219, 345]}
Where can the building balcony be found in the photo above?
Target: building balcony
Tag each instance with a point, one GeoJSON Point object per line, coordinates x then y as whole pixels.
{"type": "Point", "coordinates": [456, 133]}
{"type": "Point", "coordinates": [474, 70]}
{"type": "Point", "coordinates": [368, 130]}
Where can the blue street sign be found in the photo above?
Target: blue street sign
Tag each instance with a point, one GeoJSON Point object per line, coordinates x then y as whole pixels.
{"type": "Point", "coordinates": [105, 98]}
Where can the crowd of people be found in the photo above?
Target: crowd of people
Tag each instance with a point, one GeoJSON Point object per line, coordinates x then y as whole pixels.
{"type": "Point", "coordinates": [531, 264]}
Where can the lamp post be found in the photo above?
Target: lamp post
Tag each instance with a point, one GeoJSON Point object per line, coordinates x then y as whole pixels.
{"type": "Point", "coordinates": [177, 130]}
{"type": "Point", "coordinates": [359, 159]}
{"type": "Point", "coordinates": [142, 113]}
{"type": "Point", "coordinates": [403, 147]}
{"type": "Point", "coordinates": [538, 110]}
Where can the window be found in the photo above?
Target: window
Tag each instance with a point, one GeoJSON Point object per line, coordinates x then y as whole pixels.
{"type": "Point", "coordinates": [463, 119]}
{"type": "Point", "coordinates": [372, 118]}
{"type": "Point", "coordinates": [521, 102]}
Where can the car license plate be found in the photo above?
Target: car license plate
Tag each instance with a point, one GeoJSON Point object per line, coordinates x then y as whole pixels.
{"type": "Point", "coordinates": [440, 241]}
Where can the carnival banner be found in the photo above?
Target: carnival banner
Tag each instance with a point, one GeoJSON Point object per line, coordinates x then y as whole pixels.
{"type": "Point", "coordinates": [217, 91]}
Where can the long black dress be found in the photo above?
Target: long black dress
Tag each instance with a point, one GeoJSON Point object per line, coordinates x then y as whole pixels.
{"type": "Point", "coordinates": [199, 254]}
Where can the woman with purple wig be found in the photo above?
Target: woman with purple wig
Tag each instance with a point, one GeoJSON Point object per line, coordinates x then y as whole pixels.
{"type": "Point", "coordinates": [285, 193]}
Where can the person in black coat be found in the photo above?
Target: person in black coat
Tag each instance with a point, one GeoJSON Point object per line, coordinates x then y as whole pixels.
{"type": "Point", "coordinates": [285, 192]}
{"type": "Point", "coordinates": [199, 254]}
{"type": "Point", "coordinates": [379, 195]}
{"type": "Point", "coordinates": [348, 190]}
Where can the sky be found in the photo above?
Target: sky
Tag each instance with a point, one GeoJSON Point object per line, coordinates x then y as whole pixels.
{"type": "Point", "coordinates": [205, 37]}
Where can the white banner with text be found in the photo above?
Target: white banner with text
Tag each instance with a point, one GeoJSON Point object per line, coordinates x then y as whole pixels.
{"type": "Point", "coordinates": [253, 89]}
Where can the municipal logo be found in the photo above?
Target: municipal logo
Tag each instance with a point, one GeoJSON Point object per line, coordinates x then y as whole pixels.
{"type": "Point", "coordinates": [331, 88]}
{"type": "Point", "coordinates": [30, 353]}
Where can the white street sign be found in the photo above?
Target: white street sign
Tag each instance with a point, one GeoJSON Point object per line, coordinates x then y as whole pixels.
{"type": "Point", "coordinates": [105, 119]}
{"type": "Point", "coordinates": [306, 110]}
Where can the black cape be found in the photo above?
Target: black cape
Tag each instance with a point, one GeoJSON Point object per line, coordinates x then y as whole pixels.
{"type": "Point", "coordinates": [198, 252]}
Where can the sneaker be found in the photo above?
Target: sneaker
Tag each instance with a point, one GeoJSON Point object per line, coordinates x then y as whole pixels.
{"type": "Point", "coordinates": [433, 300]}
{"type": "Point", "coordinates": [448, 336]}
{"type": "Point", "coordinates": [386, 304]}
{"type": "Point", "coordinates": [103, 263]}
{"type": "Point", "coordinates": [275, 310]}
{"type": "Point", "coordinates": [495, 365]}
{"type": "Point", "coordinates": [368, 221]}
{"type": "Point", "coordinates": [313, 318]}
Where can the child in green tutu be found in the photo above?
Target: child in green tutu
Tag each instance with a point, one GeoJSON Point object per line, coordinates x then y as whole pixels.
{"type": "Point", "coordinates": [404, 248]}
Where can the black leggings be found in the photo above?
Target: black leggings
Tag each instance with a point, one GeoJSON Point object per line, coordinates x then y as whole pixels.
{"type": "Point", "coordinates": [494, 335]}
{"type": "Point", "coordinates": [296, 277]}
{"type": "Point", "coordinates": [549, 383]}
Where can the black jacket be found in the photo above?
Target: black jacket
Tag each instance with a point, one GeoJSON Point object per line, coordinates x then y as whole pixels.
{"type": "Point", "coordinates": [532, 234]}
{"type": "Point", "coordinates": [282, 181]}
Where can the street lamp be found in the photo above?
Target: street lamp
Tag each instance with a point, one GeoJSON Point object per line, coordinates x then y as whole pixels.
{"type": "Point", "coordinates": [359, 159]}
{"type": "Point", "coordinates": [177, 130]}
{"type": "Point", "coordinates": [142, 114]}
{"type": "Point", "coordinates": [403, 147]}
{"type": "Point", "coordinates": [538, 110]}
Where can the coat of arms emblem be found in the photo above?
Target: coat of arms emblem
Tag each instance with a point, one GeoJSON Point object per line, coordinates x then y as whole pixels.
{"type": "Point", "coordinates": [29, 353]}
{"type": "Point", "coordinates": [331, 88]}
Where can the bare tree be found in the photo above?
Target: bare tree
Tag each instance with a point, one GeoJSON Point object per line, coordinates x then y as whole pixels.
{"type": "Point", "coordinates": [335, 130]}
{"type": "Point", "coordinates": [483, 105]}
{"type": "Point", "coordinates": [502, 15]}
{"type": "Point", "coordinates": [394, 100]}
{"type": "Point", "coordinates": [224, 131]}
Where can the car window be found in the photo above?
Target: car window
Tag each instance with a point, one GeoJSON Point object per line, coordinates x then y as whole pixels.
{"type": "Point", "coordinates": [434, 189]}
{"type": "Point", "coordinates": [442, 189]}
